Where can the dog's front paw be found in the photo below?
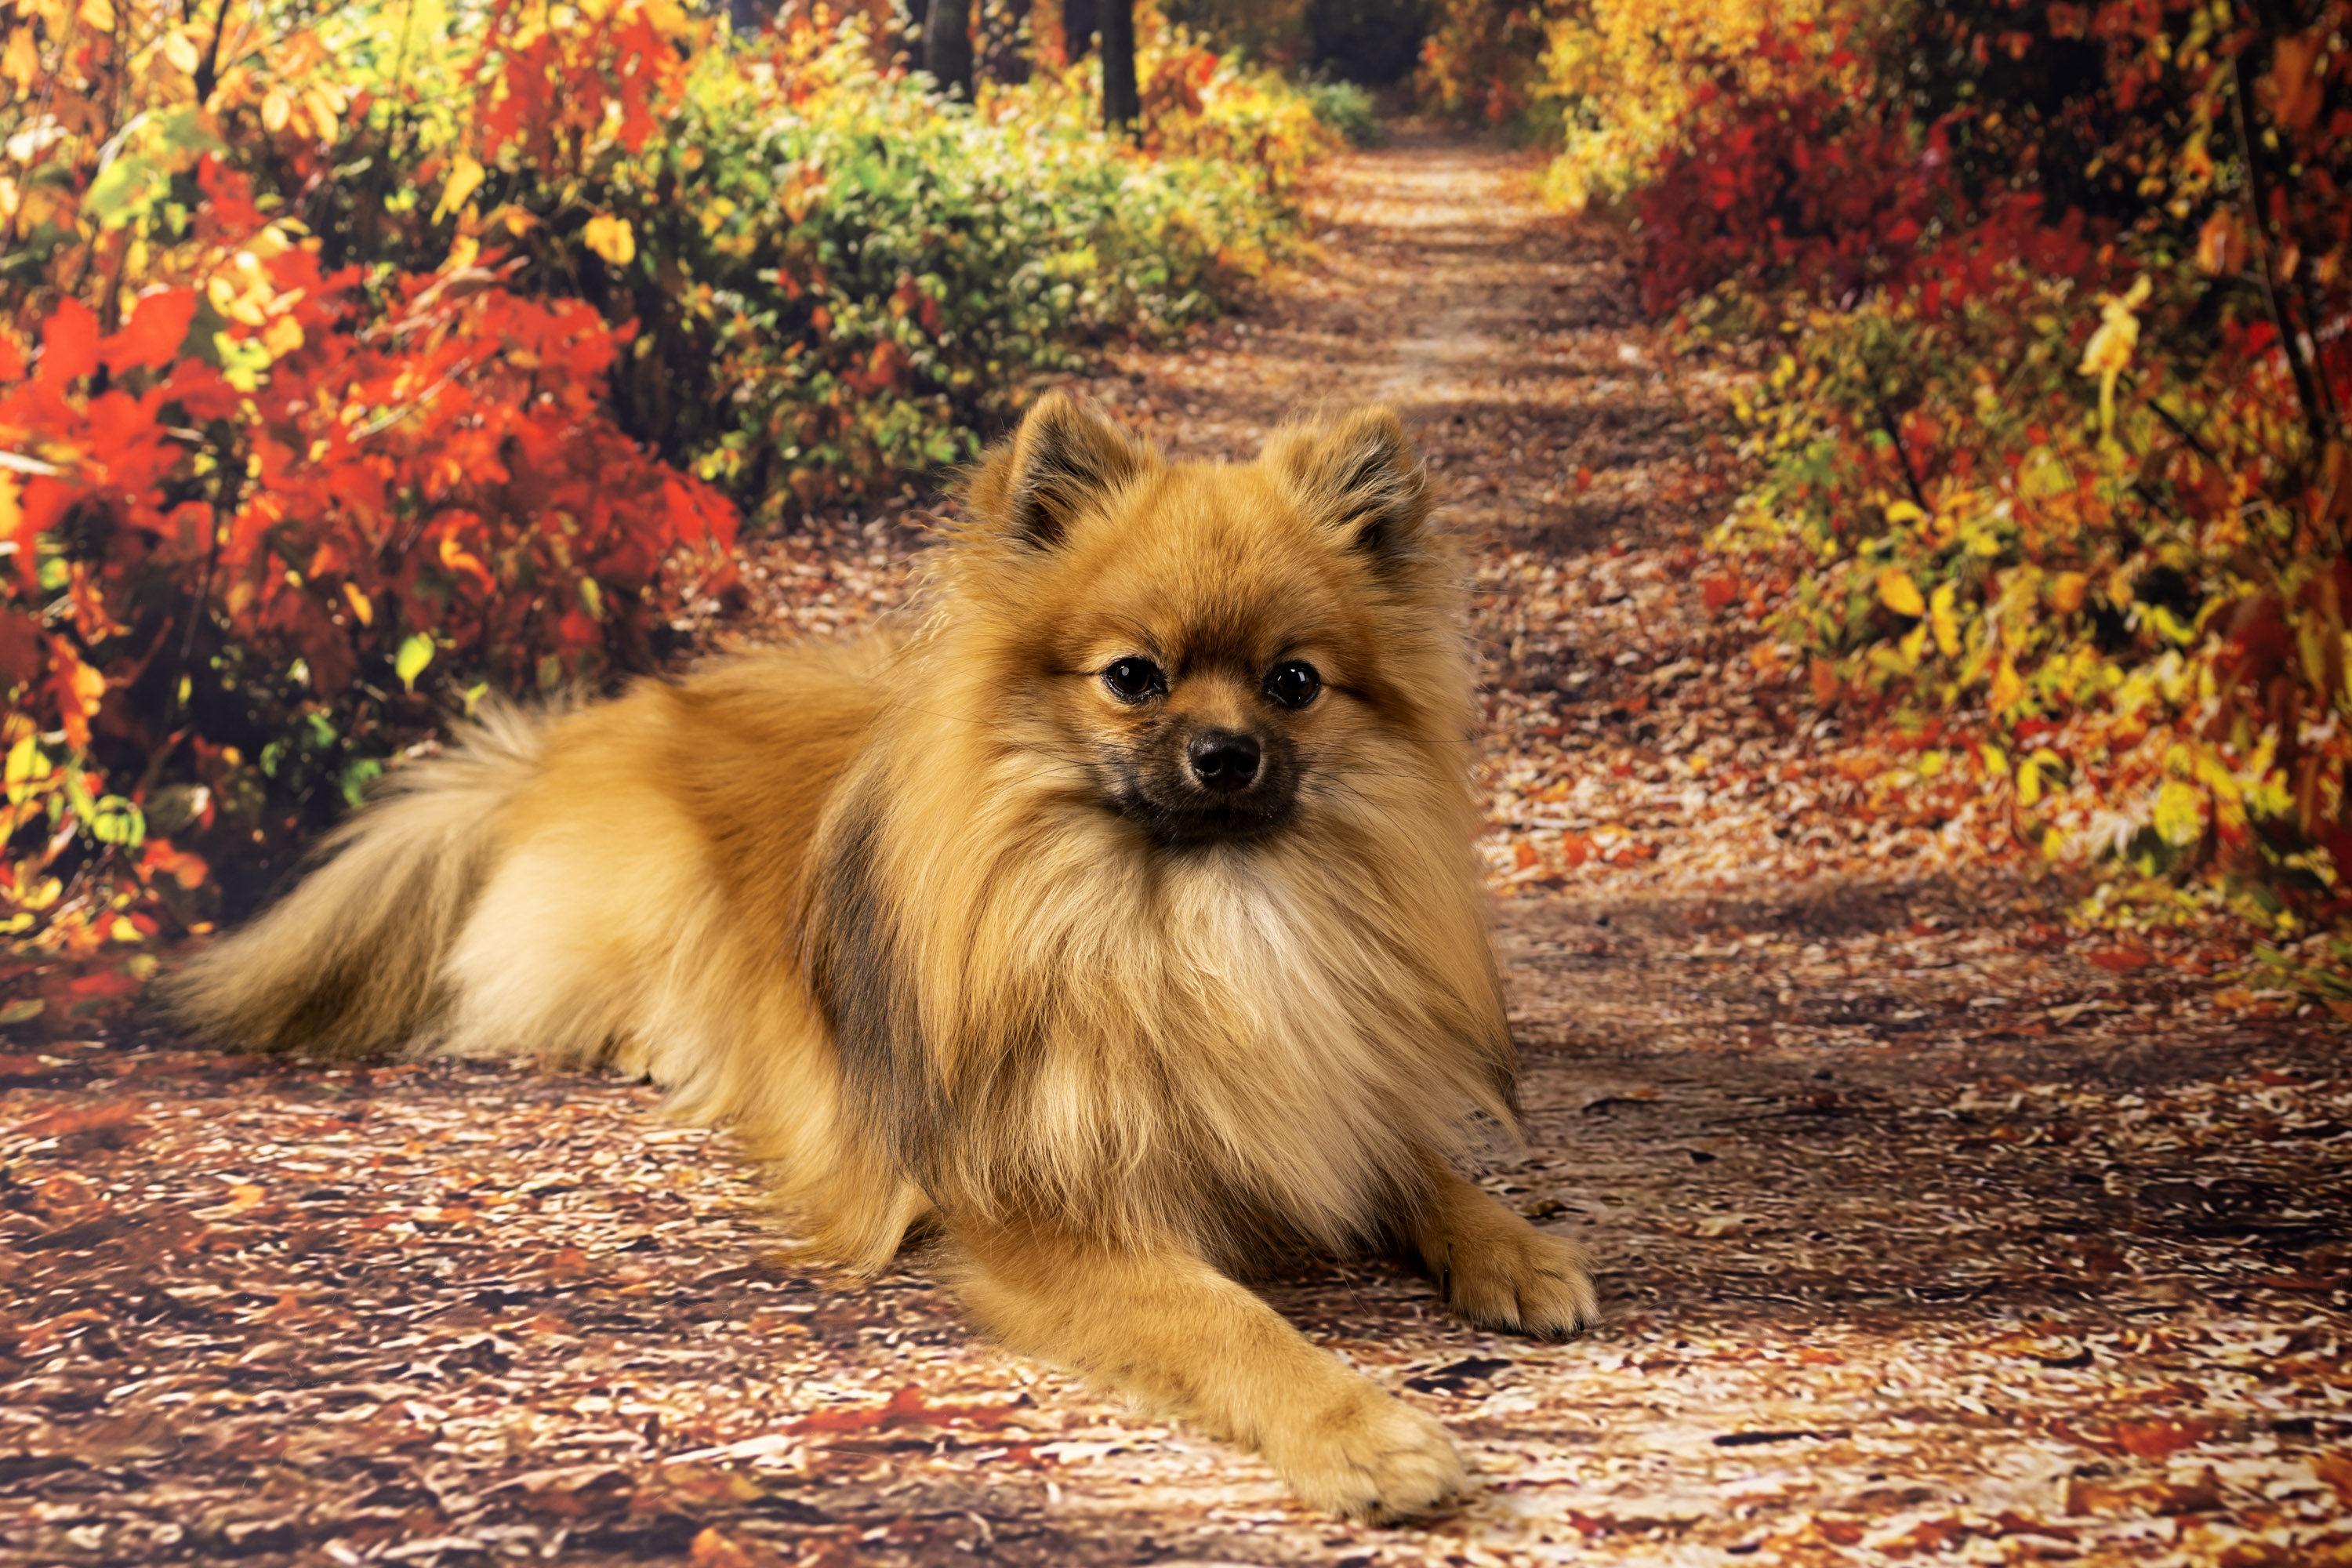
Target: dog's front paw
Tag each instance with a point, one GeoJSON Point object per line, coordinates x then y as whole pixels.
{"type": "Point", "coordinates": [1522, 1281]}
{"type": "Point", "coordinates": [1371, 1457]}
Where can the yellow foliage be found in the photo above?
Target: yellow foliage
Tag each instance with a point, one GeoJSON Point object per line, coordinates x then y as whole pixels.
{"type": "Point", "coordinates": [1649, 63]}
{"type": "Point", "coordinates": [612, 238]}
{"type": "Point", "coordinates": [1942, 613]}
{"type": "Point", "coordinates": [2179, 812]}
{"type": "Point", "coordinates": [465, 177]}
{"type": "Point", "coordinates": [1899, 593]}
{"type": "Point", "coordinates": [2008, 689]}
{"type": "Point", "coordinates": [22, 63]}
{"type": "Point", "coordinates": [2109, 351]}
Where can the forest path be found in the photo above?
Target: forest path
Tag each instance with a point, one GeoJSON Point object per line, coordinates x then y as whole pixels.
{"type": "Point", "coordinates": [1923, 1225]}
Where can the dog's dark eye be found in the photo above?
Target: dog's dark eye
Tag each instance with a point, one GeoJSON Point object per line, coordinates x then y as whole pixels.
{"type": "Point", "coordinates": [1292, 683]}
{"type": "Point", "coordinates": [1133, 679]}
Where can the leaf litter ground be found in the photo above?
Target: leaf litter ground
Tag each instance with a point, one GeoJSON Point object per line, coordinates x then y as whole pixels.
{"type": "Point", "coordinates": [1930, 1226]}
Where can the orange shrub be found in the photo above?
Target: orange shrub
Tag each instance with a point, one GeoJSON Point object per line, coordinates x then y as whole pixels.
{"type": "Point", "coordinates": [242, 575]}
{"type": "Point", "coordinates": [266, 518]}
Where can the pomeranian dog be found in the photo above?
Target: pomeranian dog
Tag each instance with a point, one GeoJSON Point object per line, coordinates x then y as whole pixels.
{"type": "Point", "coordinates": [1118, 927]}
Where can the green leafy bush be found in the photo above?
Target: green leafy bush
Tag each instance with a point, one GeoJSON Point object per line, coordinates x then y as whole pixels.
{"type": "Point", "coordinates": [846, 281]}
{"type": "Point", "coordinates": [1346, 108]}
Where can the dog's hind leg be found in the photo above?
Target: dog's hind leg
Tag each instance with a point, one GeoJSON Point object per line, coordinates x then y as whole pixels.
{"type": "Point", "coordinates": [1162, 1326]}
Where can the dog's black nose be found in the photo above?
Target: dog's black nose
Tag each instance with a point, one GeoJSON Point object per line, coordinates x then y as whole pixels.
{"type": "Point", "coordinates": [1223, 759]}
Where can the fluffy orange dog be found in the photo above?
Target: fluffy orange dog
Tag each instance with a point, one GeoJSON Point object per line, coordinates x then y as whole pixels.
{"type": "Point", "coordinates": [1120, 925]}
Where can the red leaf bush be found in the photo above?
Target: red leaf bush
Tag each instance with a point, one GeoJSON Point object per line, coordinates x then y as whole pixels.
{"type": "Point", "coordinates": [1823, 196]}
{"type": "Point", "coordinates": [252, 592]}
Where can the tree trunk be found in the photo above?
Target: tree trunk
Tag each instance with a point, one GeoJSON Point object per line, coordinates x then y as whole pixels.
{"type": "Point", "coordinates": [1008, 50]}
{"type": "Point", "coordinates": [947, 45]}
{"type": "Point", "coordinates": [910, 42]}
{"type": "Point", "coordinates": [1121, 105]}
{"type": "Point", "coordinates": [1078, 29]}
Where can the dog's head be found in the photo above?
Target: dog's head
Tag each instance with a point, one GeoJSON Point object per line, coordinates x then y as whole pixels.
{"type": "Point", "coordinates": [1215, 652]}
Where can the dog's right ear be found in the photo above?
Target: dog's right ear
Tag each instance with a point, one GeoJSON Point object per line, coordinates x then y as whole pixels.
{"type": "Point", "coordinates": [1064, 457]}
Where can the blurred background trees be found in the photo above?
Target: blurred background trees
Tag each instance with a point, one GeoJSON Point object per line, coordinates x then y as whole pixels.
{"type": "Point", "coordinates": [357, 362]}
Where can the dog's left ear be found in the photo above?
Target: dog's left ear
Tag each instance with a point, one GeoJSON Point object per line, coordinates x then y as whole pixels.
{"type": "Point", "coordinates": [1064, 459]}
{"type": "Point", "coordinates": [1359, 478]}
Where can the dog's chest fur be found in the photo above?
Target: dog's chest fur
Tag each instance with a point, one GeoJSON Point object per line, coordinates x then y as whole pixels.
{"type": "Point", "coordinates": [1139, 1039]}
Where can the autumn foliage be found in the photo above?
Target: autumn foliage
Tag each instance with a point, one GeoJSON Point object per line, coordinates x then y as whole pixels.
{"type": "Point", "coordinates": [356, 363]}
{"type": "Point", "coordinates": [2034, 317]}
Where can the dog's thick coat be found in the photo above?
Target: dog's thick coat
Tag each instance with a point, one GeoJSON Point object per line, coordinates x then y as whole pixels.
{"type": "Point", "coordinates": [968, 931]}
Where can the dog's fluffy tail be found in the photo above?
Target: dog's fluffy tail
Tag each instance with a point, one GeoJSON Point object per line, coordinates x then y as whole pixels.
{"type": "Point", "coordinates": [349, 963]}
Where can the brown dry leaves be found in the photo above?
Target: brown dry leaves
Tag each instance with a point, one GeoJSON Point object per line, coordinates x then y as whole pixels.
{"type": "Point", "coordinates": [1928, 1228]}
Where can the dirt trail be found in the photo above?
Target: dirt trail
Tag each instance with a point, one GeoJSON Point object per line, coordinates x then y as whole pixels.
{"type": "Point", "coordinates": [1925, 1228]}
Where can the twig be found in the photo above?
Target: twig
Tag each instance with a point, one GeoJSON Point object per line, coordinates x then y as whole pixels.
{"type": "Point", "coordinates": [209, 68]}
{"type": "Point", "coordinates": [110, 308]}
{"type": "Point", "coordinates": [2314, 419]}
{"type": "Point", "coordinates": [2181, 428]}
{"type": "Point", "coordinates": [1902, 454]}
